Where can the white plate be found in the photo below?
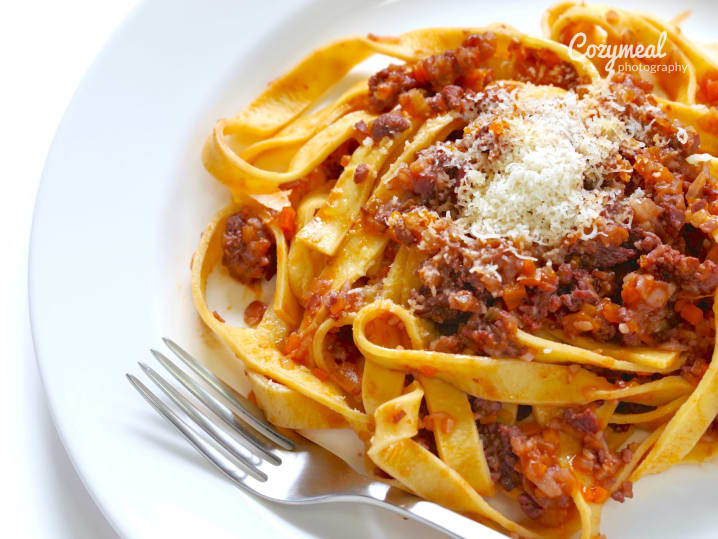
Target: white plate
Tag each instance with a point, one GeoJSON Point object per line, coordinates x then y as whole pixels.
{"type": "Point", "coordinates": [121, 205]}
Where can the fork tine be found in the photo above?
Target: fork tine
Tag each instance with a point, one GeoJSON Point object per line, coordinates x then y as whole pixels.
{"type": "Point", "coordinates": [213, 454]}
{"type": "Point", "coordinates": [227, 397]}
{"type": "Point", "coordinates": [255, 445]}
{"type": "Point", "coordinates": [222, 437]}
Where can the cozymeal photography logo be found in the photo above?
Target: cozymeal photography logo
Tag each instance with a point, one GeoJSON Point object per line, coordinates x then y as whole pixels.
{"type": "Point", "coordinates": [646, 54]}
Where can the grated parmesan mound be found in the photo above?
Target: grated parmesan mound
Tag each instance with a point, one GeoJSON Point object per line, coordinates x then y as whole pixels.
{"type": "Point", "coordinates": [555, 148]}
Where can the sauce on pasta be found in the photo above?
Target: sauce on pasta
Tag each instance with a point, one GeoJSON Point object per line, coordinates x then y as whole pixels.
{"type": "Point", "coordinates": [495, 262]}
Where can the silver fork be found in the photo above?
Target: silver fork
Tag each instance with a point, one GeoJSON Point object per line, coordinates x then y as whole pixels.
{"type": "Point", "coordinates": [260, 460]}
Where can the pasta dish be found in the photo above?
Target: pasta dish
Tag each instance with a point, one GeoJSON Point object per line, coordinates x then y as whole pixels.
{"type": "Point", "coordinates": [495, 260]}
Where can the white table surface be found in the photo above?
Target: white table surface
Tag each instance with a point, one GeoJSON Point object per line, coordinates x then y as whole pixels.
{"type": "Point", "coordinates": [45, 48]}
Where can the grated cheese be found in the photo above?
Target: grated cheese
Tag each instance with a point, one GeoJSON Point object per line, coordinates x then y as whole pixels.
{"type": "Point", "coordinates": [554, 150]}
{"type": "Point", "coordinates": [682, 135]}
{"type": "Point", "coordinates": [488, 270]}
{"type": "Point", "coordinates": [697, 158]}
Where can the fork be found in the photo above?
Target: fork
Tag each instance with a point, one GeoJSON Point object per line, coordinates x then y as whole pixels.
{"type": "Point", "coordinates": [262, 461]}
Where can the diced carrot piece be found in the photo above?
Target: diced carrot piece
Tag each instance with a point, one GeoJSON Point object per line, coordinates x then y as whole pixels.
{"type": "Point", "coordinates": [288, 222]}
{"type": "Point", "coordinates": [691, 314]}
{"type": "Point", "coordinates": [475, 79]}
{"type": "Point", "coordinates": [419, 73]}
{"type": "Point", "coordinates": [292, 343]}
{"type": "Point", "coordinates": [595, 494]}
{"type": "Point", "coordinates": [320, 373]}
{"type": "Point", "coordinates": [528, 267]}
{"type": "Point", "coordinates": [610, 311]}
{"type": "Point", "coordinates": [514, 295]}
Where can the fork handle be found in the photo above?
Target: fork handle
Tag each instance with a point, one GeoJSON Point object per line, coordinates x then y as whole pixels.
{"type": "Point", "coordinates": [440, 518]}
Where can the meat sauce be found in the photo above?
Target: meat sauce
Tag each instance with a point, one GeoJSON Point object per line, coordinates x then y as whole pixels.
{"type": "Point", "coordinates": [647, 280]}
{"type": "Point", "coordinates": [248, 250]}
{"type": "Point", "coordinates": [525, 459]}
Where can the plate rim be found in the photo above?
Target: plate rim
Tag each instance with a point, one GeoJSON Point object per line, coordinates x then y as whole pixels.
{"type": "Point", "coordinates": [39, 358]}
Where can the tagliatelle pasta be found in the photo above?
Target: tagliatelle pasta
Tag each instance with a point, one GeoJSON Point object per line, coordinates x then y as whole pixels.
{"type": "Point", "coordinates": [495, 261]}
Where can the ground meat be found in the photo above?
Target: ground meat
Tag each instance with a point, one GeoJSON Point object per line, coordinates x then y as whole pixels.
{"type": "Point", "coordinates": [340, 347]}
{"type": "Point", "coordinates": [584, 421]}
{"type": "Point", "coordinates": [664, 188]}
{"type": "Point", "coordinates": [529, 462]}
{"type": "Point", "coordinates": [333, 166]}
{"type": "Point", "coordinates": [644, 241]}
{"type": "Point", "coordinates": [449, 98]}
{"type": "Point", "coordinates": [462, 68]}
{"type": "Point", "coordinates": [429, 179]}
{"type": "Point", "coordinates": [502, 461]}
{"type": "Point", "coordinates": [446, 343]}
{"type": "Point", "coordinates": [576, 287]}
{"type": "Point", "coordinates": [597, 459]}
{"type": "Point", "coordinates": [362, 128]}
{"type": "Point", "coordinates": [386, 85]}
{"type": "Point", "coordinates": [538, 463]}
{"type": "Point", "coordinates": [441, 70]}
{"type": "Point", "coordinates": [248, 248]}
{"type": "Point", "coordinates": [361, 173]}
{"type": "Point", "coordinates": [602, 256]}
{"type": "Point", "coordinates": [402, 233]}
{"type": "Point", "coordinates": [388, 125]}
{"type": "Point", "coordinates": [632, 302]}
{"type": "Point", "coordinates": [254, 312]}
{"type": "Point", "coordinates": [529, 506]}
{"type": "Point", "coordinates": [543, 67]}
{"type": "Point", "coordinates": [623, 492]}
{"type": "Point", "coordinates": [433, 73]}
{"type": "Point", "coordinates": [493, 333]}
{"type": "Point", "coordinates": [644, 277]}
{"type": "Point", "coordinates": [620, 285]}
{"type": "Point", "coordinates": [483, 408]}
{"type": "Point", "coordinates": [451, 293]}
{"type": "Point", "coordinates": [694, 277]}
{"type": "Point", "coordinates": [344, 300]}
{"type": "Point", "coordinates": [339, 344]}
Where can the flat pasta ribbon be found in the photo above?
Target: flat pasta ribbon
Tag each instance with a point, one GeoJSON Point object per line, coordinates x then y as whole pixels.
{"type": "Point", "coordinates": [271, 154]}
